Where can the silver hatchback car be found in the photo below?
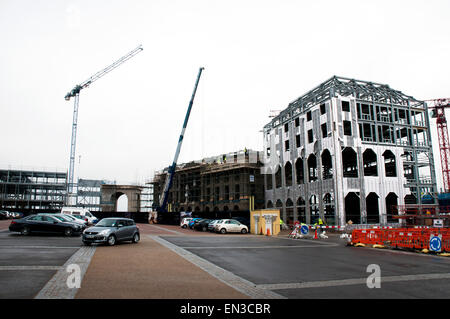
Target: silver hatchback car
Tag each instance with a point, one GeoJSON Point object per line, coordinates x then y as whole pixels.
{"type": "Point", "coordinates": [111, 230]}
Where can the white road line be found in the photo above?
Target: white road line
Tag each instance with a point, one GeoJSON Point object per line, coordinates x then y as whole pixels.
{"type": "Point", "coordinates": [57, 287]}
{"type": "Point", "coordinates": [354, 281]}
{"type": "Point", "coordinates": [39, 247]}
{"type": "Point", "coordinates": [240, 284]}
{"type": "Point", "coordinates": [30, 268]}
{"type": "Point", "coordinates": [253, 247]}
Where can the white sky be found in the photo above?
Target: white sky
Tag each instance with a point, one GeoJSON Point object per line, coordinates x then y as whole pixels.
{"type": "Point", "coordinates": [258, 56]}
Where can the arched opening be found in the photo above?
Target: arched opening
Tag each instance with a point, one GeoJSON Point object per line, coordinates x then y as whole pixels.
{"type": "Point", "coordinates": [278, 177]}
{"type": "Point", "coordinates": [352, 208]}
{"type": "Point", "coordinates": [391, 207]}
{"type": "Point", "coordinates": [300, 177]}
{"type": "Point", "coordinates": [329, 213]}
{"type": "Point", "coordinates": [122, 202]}
{"type": "Point", "coordinates": [225, 208]}
{"type": "Point", "coordinates": [370, 163]}
{"type": "Point", "coordinates": [389, 164]}
{"type": "Point", "coordinates": [269, 204]}
{"type": "Point", "coordinates": [373, 212]}
{"type": "Point", "coordinates": [410, 199]}
{"type": "Point", "coordinates": [349, 162]}
{"type": "Point", "coordinates": [327, 166]}
{"type": "Point", "coordinates": [268, 177]}
{"type": "Point", "coordinates": [313, 209]}
{"type": "Point", "coordinates": [312, 168]}
{"type": "Point", "coordinates": [289, 212]}
{"type": "Point", "coordinates": [279, 204]}
{"type": "Point", "coordinates": [301, 212]}
{"type": "Point", "coordinates": [288, 173]}
{"type": "Point", "coordinates": [236, 208]}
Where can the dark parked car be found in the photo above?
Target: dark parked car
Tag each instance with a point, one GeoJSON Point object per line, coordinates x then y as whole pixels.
{"type": "Point", "coordinates": [202, 224]}
{"type": "Point", "coordinates": [43, 224]}
{"type": "Point", "coordinates": [111, 230]}
{"type": "Point", "coordinates": [193, 221]}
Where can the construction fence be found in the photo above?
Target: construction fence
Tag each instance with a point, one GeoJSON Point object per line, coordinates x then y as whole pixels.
{"type": "Point", "coordinates": [407, 238]}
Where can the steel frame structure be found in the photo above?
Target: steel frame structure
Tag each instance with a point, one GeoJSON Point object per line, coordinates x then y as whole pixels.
{"type": "Point", "coordinates": [406, 124]}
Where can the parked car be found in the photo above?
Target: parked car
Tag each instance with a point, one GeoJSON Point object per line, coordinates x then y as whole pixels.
{"type": "Point", "coordinates": [44, 224]}
{"type": "Point", "coordinates": [68, 219]}
{"type": "Point", "coordinates": [212, 224]}
{"type": "Point", "coordinates": [185, 222]}
{"type": "Point", "coordinates": [111, 230]}
{"type": "Point", "coordinates": [81, 218]}
{"type": "Point", "coordinates": [243, 220]}
{"type": "Point", "coordinates": [16, 215]}
{"type": "Point", "coordinates": [191, 223]}
{"type": "Point", "coordinates": [3, 214]}
{"type": "Point", "coordinates": [202, 225]}
{"type": "Point", "coordinates": [230, 226]}
{"type": "Point", "coordinates": [80, 211]}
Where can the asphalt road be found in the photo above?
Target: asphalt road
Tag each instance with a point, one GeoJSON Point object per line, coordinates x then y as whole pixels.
{"type": "Point", "coordinates": [322, 269]}
{"type": "Point", "coordinates": [27, 263]}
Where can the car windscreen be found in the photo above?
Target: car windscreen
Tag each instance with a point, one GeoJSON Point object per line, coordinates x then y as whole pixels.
{"type": "Point", "coordinates": [107, 223]}
{"type": "Point", "coordinates": [60, 218]}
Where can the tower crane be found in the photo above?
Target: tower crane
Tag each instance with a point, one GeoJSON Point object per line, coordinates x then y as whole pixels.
{"type": "Point", "coordinates": [75, 93]}
{"type": "Point", "coordinates": [169, 178]}
{"type": "Point", "coordinates": [438, 107]}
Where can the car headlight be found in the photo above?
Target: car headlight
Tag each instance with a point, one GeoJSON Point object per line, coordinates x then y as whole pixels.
{"type": "Point", "coordinates": [104, 232]}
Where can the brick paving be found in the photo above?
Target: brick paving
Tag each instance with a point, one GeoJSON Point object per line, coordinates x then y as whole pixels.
{"type": "Point", "coordinates": [150, 270]}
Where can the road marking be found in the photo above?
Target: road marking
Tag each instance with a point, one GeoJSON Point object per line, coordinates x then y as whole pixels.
{"type": "Point", "coordinates": [253, 247]}
{"type": "Point", "coordinates": [39, 247]}
{"type": "Point", "coordinates": [240, 284]}
{"type": "Point", "coordinates": [57, 288]}
{"type": "Point", "coordinates": [30, 268]}
{"type": "Point", "coordinates": [348, 282]}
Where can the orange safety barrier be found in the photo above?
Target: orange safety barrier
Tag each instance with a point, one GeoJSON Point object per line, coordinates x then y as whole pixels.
{"type": "Point", "coordinates": [411, 238]}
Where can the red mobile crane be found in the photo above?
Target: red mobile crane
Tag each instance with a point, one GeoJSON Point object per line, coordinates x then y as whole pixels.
{"type": "Point", "coordinates": [438, 107]}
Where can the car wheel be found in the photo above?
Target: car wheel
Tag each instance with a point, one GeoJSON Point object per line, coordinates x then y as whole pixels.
{"type": "Point", "coordinates": [136, 238]}
{"type": "Point", "coordinates": [68, 232]}
{"type": "Point", "coordinates": [223, 231]}
{"type": "Point", "coordinates": [205, 228]}
{"type": "Point", "coordinates": [243, 231]}
{"type": "Point", "coordinates": [111, 240]}
{"type": "Point", "coordinates": [25, 231]}
{"type": "Point", "coordinates": [184, 226]}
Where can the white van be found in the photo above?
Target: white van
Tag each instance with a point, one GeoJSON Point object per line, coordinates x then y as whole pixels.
{"type": "Point", "coordinates": [81, 212]}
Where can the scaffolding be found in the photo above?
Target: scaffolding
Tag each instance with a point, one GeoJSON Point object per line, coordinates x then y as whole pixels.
{"type": "Point", "coordinates": [32, 190]}
{"type": "Point", "coordinates": [347, 137]}
{"type": "Point", "coordinates": [215, 186]}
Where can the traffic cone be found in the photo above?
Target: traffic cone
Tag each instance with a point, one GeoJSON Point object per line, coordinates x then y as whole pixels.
{"type": "Point", "coordinates": [315, 234]}
{"type": "Point", "coordinates": [268, 232]}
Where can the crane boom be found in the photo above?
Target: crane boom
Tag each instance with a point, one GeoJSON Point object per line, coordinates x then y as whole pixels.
{"type": "Point", "coordinates": [170, 173]}
{"type": "Point", "coordinates": [438, 112]}
{"type": "Point", "coordinates": [75, 93]}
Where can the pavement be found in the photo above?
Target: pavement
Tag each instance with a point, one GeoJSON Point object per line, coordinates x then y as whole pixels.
{"type": "Point", "coordinates": [174, 263]}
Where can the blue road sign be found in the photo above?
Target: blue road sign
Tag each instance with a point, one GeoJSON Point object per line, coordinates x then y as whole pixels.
{"type": "Point", "coordinates": [304, 229]}
{"type": "Point", "coordinates": [435, 243]}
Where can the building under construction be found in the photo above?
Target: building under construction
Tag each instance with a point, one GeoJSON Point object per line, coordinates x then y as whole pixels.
{"type": "Point", "coordinates": [349, 150]}
{"type": "Point", "coordinates": [223, 186]}
{"type": "Point", "coordinates": [26, 191]}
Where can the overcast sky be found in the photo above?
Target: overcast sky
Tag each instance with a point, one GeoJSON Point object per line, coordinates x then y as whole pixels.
{"type": "Point", "coordinates": [258, 56]}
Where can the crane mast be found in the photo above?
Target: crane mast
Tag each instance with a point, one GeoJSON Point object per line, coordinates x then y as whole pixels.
{"type": "Point", "coordinates": [75, 93]}
{"type": "Point", "coordinates": [171, 171]}
{"type": "Point", "coordinates": [438, 112]}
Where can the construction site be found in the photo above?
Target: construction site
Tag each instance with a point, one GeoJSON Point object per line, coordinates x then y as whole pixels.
{"type": "Point", "coordinates": [358, 152]}
{"type": "Point", "coordinates": [215, 187]}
